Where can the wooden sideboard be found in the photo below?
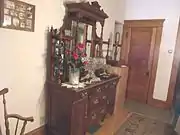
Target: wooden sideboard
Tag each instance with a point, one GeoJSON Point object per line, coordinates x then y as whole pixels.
{"type": "Point", "coordinates": [71, 111]}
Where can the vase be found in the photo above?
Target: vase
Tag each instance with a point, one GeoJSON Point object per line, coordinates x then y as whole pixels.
{"type": "Point", "coordinates": [74, 75]}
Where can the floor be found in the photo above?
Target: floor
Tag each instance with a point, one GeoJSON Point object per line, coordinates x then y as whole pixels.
{"type": "Point", "coordinates": [157, 113]}
{"type": "Point", "coordinates": [113, 123]}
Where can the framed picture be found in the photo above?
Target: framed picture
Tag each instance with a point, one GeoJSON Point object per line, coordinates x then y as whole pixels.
{"type": "Point", "coordinates": [17, 15]}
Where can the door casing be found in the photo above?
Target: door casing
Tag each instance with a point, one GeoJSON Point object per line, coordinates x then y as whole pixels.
{"type": "Point", "coordinates": [157, 27]}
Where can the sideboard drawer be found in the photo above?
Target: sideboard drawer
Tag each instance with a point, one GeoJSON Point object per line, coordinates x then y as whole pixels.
{"type": "Point", "coordinates": [97, 115]}
{"type": "Point", "coordinates": [97, 98]}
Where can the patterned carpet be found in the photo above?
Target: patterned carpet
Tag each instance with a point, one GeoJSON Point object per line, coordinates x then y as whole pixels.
{"type": "Point", "coordinates": [137, 124]}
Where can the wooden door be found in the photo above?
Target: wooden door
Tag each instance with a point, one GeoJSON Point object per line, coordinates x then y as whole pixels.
{"type": "Point", "coordinates": [140, 51]}
{"type": "Point", "coordinates": [138, 60]}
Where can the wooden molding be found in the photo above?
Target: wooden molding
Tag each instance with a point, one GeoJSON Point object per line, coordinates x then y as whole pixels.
{"type": "Point", "coordinates": [144, 23]}
{"type": "Point", "coordinates": [151, 100]}
{"type": "Point", "coordinates": [174, 70]}
{"type": "Point", "coordinates": [158, 103]}
{"type": "Point", "coordinates": [38, 131]}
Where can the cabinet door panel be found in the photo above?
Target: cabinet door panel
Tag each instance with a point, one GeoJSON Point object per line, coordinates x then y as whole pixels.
{"type": "Point", "coordinates": [79, 117]}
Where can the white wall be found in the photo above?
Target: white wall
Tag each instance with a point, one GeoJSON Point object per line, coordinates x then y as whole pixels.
{"type": "Point", "coordinates": [22, 56]}
{"type": "Point", "coordinates": [159, 9]}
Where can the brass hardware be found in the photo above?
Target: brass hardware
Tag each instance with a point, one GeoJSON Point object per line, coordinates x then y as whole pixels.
{"type": "Point", "coordinates": [98, 89]}
{"type": "Point", "coordinates": [82, 95]}
{"type": "Point", "coordinates": [102, 111]}
{"type": "Point", "coordinates": [93, 116]}
{"type": "Point", "coordinates": [104, 97]}
{"type": "Point", "coordinates": [86, 93]}
{"type": "Point", "coordinates": [96, 101]}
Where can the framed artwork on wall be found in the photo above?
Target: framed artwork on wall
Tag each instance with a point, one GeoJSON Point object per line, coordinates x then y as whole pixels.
{"type": "Point", "coordinates": [17, 15]}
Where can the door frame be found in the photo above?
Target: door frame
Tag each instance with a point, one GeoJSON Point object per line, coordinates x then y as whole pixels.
{"type": "Point", "coordinates": [157, 25]}
{"type": "Point", "coordinates": [174, 70]}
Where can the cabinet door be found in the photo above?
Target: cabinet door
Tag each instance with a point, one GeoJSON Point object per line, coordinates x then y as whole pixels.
{"type": "Point", "coordinates": [79, 117]}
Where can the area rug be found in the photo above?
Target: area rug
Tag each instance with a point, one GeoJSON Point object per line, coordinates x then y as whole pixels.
{"type": "Point", "coordinates": [137, 124]}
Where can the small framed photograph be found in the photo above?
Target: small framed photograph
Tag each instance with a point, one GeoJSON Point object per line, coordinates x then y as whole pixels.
{"type": "Point", "coordinates": [6, 11]}
{"type": "Point", "coordinates": [15, 22]}
{"type": "Point", "coordinates": [28, 24]}
{"type": "Point", "coordinates": [7, 20]}
{"type": "Point", "coordinates": [22, 24]}
{"type": "Point", "coordinates": [12, 12]}
{"type": "Point", "coordinates": [21, 15]}
{"type": "Point", "coordinates": [29, 15]}
{"type": "Point", "coordinates": [9, 4]}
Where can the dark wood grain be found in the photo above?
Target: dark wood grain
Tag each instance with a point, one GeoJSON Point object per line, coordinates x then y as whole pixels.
{"type": "Point", "coordinates": [70, 110]}
{"type": "Point", "coordinates": [4, 91]}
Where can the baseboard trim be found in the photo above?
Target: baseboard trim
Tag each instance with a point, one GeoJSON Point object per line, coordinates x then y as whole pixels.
{"type": "Point", "coordinates": [38, 131]}
{"type": "Point", "coordinates": [159, 104]}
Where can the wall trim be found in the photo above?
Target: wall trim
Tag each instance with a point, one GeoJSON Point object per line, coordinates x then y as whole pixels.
{"type": "Point", "coordinates": [38, 131]}
{"type": "Point", "coordinates": [174, 70]}
{"type": "Point", "coordinates": [144, 23]}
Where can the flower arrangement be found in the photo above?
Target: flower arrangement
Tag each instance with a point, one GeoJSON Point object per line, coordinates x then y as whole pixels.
{"type": "Point", "coordinates": [77, 57]}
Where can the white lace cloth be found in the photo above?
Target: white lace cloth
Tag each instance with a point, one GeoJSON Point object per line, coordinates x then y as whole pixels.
{"type": "Point", "coordinates": [80, 85]}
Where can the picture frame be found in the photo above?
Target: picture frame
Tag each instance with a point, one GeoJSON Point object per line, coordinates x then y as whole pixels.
{"type": "Point", "coordinates": [17, 15]}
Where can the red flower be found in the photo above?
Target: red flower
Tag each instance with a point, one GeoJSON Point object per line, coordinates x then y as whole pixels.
{"type": "Point", "coordinates": [75, 55]}
{"type": "Point", "coordinates": [85, 62]}
{"type": "Point", "coordinates": [83, 54]}
{"type": "Point", "coordinates": [80, 46]}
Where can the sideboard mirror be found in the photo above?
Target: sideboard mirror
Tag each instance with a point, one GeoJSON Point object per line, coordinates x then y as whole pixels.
{"type": "Point", "coordinates": [83, 23]}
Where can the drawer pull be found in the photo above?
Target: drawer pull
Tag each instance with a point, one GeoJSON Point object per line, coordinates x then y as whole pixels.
{"type": "Point", "coordinates": [96, 101]}
{"type": "Point", "coordinates": [102, 111]}
{"type": "Point", "coordinates": [93, 116]}
{"type": "Point", "coordinates": [86, 93]}
{"type": "Point", "coordinates": [98, 89]}
{"type": "Point", "coordinates": [104, 97]}
{"type": "Point", "coordinates": [83, 94]}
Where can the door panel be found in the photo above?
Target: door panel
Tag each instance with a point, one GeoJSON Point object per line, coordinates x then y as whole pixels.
{"type": "Point", "coordinates": [79, 117]}
{"type": "Point", "coordinates": [138, 59]}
